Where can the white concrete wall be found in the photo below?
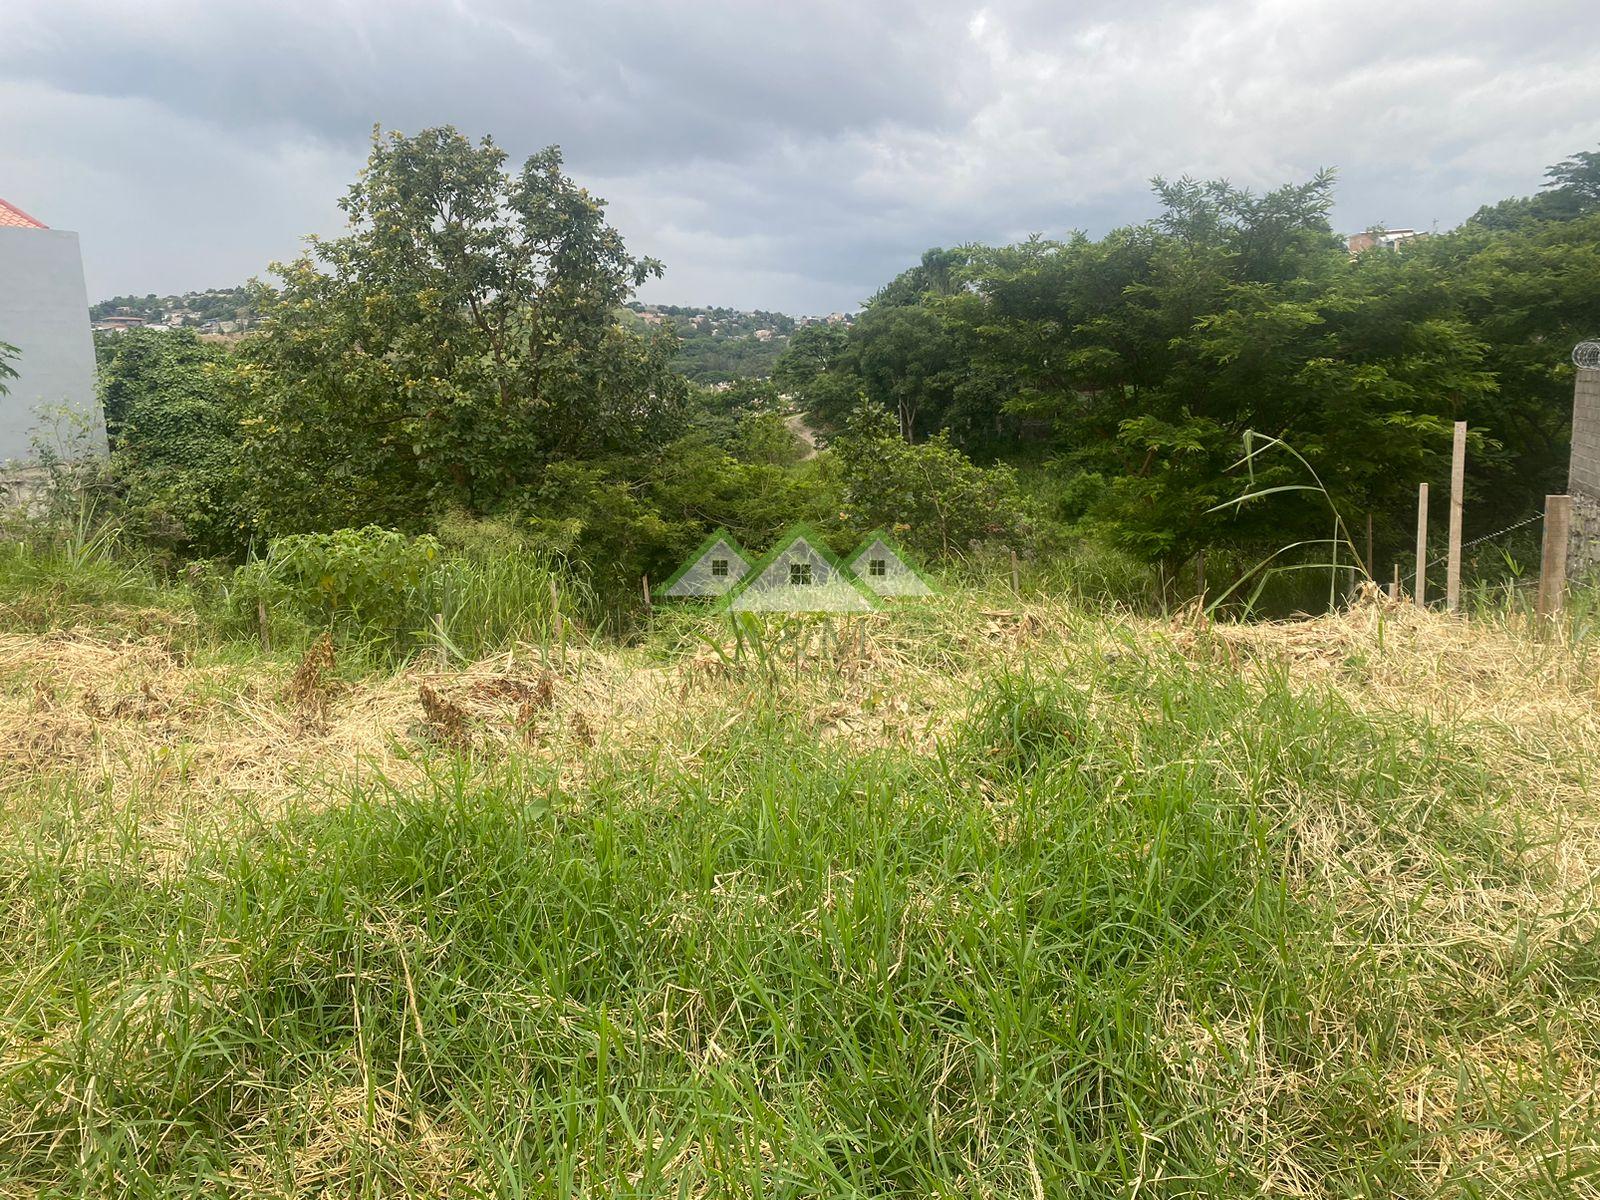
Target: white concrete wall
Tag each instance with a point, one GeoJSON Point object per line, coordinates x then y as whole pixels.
{"type": "Point", "coordinates": [45, 314]}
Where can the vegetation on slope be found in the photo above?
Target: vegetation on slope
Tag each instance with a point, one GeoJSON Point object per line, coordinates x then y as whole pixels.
{"type": "Point", "coordinates": [1133, 364]}
{"type": "Point", "coordinates": [491, 364]}
{"type": "Point", "coordinates": [192, 308]}
{"type": "Point", "coordinates": [719, 345]}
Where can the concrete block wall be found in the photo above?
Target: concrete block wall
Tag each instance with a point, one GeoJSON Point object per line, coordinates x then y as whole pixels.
{"type": "Point", "coordinates": [1583, 546]}
{"type": "Point", "coordinates": [1583, 480]}
{"type": "Point", "coordinates": [22, 488]}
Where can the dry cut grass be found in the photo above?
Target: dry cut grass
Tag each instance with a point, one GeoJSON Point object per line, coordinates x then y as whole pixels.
{"type": "Point", "coordinates": [984, 898]}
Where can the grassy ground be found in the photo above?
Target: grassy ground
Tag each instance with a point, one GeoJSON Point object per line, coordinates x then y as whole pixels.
{"type": "Point", "coordinates": [973, 898]}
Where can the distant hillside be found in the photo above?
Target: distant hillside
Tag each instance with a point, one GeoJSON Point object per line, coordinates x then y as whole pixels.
{"type": "Point", "coordinates": [716, 345]}
{"type": "Point", "coordinates": [216, 310]}
{"type": "Point", "coordinates": [722, 344]}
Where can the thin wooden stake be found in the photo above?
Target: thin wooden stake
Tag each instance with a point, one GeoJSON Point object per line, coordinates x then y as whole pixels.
{"type": "Point", "coordinates": [1553, 560]}
{"type": "Point", "coordinates": [558, 623]}
{"type": "Point", "coordinates": [1421, 593]}
{"type": "Point", "coordinates": [1016, 583]}
{"type": "Point", "coordinates": [1458, 476]}
{"type": "Point", "coordinates": [1394, 585]}
{"type": "Point", "coordinates": [1200, 575]}
{"type": "Point", "coordinates": [438, 633]}
{"type": "Point", "coordinates": [1372, 562]}
{"type": "Point", "coordinates": [266, 626]}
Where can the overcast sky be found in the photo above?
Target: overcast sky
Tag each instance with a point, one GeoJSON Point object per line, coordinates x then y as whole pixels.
{"type": "Point", "coordinates": [774, 153]}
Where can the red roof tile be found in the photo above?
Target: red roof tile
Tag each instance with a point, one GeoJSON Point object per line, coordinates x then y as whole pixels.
{"type": "Point", "coordinates": [11, 215]}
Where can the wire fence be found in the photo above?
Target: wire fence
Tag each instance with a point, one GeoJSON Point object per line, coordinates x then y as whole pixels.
{"type": "Point", "coordinates": [1488, 537]}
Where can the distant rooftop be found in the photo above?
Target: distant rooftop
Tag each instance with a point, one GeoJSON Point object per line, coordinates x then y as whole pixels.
{"type": "Point", "coordinates": [13, 217]}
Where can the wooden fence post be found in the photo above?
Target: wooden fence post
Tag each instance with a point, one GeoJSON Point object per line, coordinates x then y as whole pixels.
{"type": "Point", "coordinates": [1458, 475]}
{"type": "Point", "coordinates": [1553, 560]}
{"type": "Point", "coordinates": [266, 626]}
{"type": "Point", "coordinates": [1016, 579]}
{"type": "Point", "coordinates": [1394, 586]}
{"type": "Point", "coordinates": [558, 626]}
{"type": "Point", "coordinates": [1372, 560]}
{"type": "Point", "coordinates": [1200, 576]}
{"type": "Point", "coordinates": [1421, 593]}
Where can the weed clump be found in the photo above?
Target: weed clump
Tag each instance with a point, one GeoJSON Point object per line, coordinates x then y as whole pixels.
{"type": "Point", "coordinates": [315, 681]}
{"type": "Point", "coordinates": [445, 721]}
{"type": "Point", "coordinates": [1021, 724]}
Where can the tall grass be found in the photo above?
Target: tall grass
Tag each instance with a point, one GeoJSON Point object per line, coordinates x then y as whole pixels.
{"type": "Point", "coordinates": [1124, 933]}
{"type": "Point", "coordinates": [471, 605]}
{"type": "Point", "coordinates": [489, 602]}
{"type": "Point", "coordinates": [80, 576]}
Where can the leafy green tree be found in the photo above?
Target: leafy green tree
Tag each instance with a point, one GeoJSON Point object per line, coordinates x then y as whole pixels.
{"type": "Point", "coordinates": [1577, 179]}
{"type": "Point", "coordinates": [177, 453]}
{"type": "Point", "coordinates": [8, 355]}
{"type": "Point", "coordinates": [461, 340]}
{"type": "Point", "coordinates": [931, 496]}
{"type": "Point", "coordinates": [1571, 191]}
{"type": "Point", "coordinates": [1137, 362]}
{"type": "Point", "coordinates": [938, 274]}
{"type": "Point", "coordinates": [818, 372]}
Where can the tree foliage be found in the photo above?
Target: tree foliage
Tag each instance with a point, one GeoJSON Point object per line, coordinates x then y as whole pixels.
{"type": "Point", "coordinates": [8, 355]}
{"type": "Point", "coordinates": [929, 494]}
{"type": "Point", "coordinates": [173, 425]}
{"type": "Point", "coordinates": [461, 340]}
{"type": "Point", "coordinates": [465, 351]}
{"type": "Point", "coordinates": [1135, 363]}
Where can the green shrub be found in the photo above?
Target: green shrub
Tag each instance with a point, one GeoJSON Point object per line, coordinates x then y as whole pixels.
{"type": "Point", "coordinates": [930, 494]}
{"type": "Point", "coordinates": [391, 594]}
{"type": "Point", "coordinates": [363, 585]}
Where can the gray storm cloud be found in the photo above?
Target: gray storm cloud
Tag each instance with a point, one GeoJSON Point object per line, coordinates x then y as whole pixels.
{"type": "Point", "coordinates": [777, 155]}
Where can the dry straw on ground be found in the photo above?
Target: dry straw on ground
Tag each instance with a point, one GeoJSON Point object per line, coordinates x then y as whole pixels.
{"type": "Point", "coordinates": [174, 740]}
{"type": "Point", "coordinates": [134, 715]}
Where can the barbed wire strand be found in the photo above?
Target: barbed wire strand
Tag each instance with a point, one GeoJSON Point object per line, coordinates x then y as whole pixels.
{"type": "Point", "coordinates": [1488, 537]}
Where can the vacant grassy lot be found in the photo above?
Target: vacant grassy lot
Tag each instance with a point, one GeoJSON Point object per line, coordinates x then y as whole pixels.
{"type": "Point", "coordinates": [974, 899]}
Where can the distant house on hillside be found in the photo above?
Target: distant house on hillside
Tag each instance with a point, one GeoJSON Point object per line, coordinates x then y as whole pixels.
{"type": "Point", "coordinates": [1388, 239]}
{"type": "Point", "coordinates": [117, 324]}
{"type": "Point", "coordinates": [44, 313]}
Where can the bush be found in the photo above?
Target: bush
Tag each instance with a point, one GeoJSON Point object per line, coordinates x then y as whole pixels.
{"type": "Point", "coordinates": [363, 585]}
{"type": "Point", "coordinates": [937, 501]}
{"type": "Point", "coordinates": [176, 446]}
{"type": "Point", "coordinates": [391, 594]}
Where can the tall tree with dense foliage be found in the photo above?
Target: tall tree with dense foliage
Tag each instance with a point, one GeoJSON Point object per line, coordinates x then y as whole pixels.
{"type": "Point", "coordinates": [461, 338]}
{"type": "Point", "coordinates": [1136, 362]}
{"type": "Point", "coordinates": [174, 430]}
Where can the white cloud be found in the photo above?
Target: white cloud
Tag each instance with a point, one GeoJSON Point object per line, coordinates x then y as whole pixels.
{"type": "Point", "coordinates": [788, 156]}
